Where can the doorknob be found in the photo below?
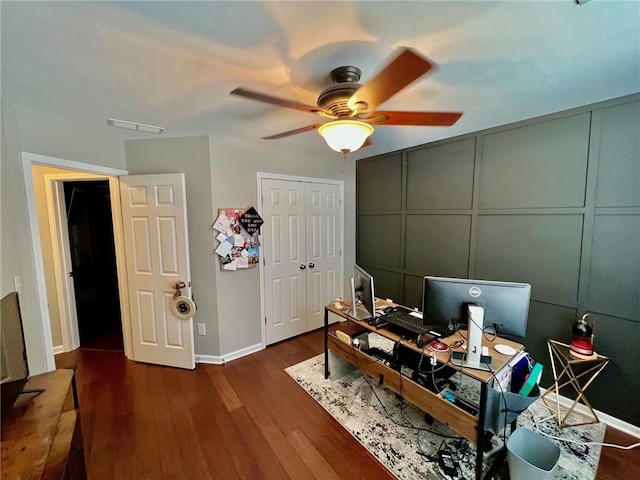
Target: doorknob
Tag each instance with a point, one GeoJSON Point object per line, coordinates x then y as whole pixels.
{"type": "Point", "coordinates": [311, 265]}
{"type": "Point", "coordinates": [302, 266]}
{"type": "Point", "coordinates": [178, 286]}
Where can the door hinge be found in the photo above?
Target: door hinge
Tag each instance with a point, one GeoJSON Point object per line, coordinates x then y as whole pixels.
{"type": "Point", "coordinates": [265, 320]}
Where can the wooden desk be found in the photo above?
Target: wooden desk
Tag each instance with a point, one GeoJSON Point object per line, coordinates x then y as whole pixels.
{"type": "Point", "coordinates": [465, 424]}
{"type": "Point", "coordinates": [41, 438]}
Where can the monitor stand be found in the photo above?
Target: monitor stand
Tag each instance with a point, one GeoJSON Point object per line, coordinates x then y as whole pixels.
{"type": "Point", "coordinates": [473, 357]}
{"type": "Point", "coordinates": [355, 312]}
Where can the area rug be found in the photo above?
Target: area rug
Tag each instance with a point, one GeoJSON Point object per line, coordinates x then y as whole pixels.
{"type": "Point", "coordinates": [397, 434]}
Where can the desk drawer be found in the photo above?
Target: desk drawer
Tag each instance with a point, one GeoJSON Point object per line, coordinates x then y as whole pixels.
{"type": "Point", "coordinates": [457, 419]}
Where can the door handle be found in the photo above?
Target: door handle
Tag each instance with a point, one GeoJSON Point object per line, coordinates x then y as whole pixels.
{"type": "Point", "coordinates": [302, 266]}
{"type": "Point", "coordinates": [178, 286]}
{"type": "Point", "coordinates": [311, 265]}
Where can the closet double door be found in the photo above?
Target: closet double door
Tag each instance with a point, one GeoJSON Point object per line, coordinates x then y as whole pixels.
{"type": "Point", "coordinates": [302, 251]}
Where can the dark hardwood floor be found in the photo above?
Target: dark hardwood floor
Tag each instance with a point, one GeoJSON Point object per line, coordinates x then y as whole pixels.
{"type": "Point", "coordinates": [246, 419]}
{"type": "Point", "coordinates": [617, 464]}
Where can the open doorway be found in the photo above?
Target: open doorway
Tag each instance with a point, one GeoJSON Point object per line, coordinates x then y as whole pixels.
{"type": "Point", "coordinates": [92, 249]}
{"type": "Point", "coordinates": [44, 178]}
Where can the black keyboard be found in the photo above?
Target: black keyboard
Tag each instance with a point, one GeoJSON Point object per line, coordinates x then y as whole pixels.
{"type": "Point", "coordinates": [401, 317]}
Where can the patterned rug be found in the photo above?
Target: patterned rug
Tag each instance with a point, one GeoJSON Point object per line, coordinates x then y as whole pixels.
{"type": "Point", "coordinates": [396, 433]}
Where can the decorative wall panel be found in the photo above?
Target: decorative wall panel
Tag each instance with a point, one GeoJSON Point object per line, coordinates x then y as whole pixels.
{"type": "Point", "coordinates": [535, 166]}
{"type": "Point", "coordinates": [554, 202]}
{"type": "Point", "coordinates": [438, 245]}
{"type": "Point", "coordinates": [543, 250]}
{"type": "Point", "coordinates": [379, 240]}
{"type": "Point", "coordinates": [441, 177]}
{"type": "Point", "coordinates": [383, 180]}
{"type": "Point", "coordinates": [619, 159]}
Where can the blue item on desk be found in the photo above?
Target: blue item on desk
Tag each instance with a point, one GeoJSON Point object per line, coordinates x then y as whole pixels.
{"type": "Point", "coordinates": [461, 403]}
{"type": "Point", "coordinates": [519, 374]}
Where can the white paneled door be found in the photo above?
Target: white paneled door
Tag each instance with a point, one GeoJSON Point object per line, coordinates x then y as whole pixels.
{"type": "Point", "coordinates": [323, 249]}
{"type": "Point", "coordinates": [302, 252]}
{"type": "Point", "coordinates": [155, 230]}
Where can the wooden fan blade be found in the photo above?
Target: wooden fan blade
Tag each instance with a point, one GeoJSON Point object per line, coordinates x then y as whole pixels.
{"type": "Point", "coordinates": [404, 69]}
{"type": "Point", "coordinates": [308, 128]}
{"type": "Point", "coordinates": [435, 119]}
{"type": "Point", "coordinates": [281, 102]}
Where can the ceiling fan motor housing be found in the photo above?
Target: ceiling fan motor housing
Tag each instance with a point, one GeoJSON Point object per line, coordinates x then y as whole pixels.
{"type": "Point", "coordinates": [335, 97]}
{"type": "Point", "coordinates": [346, 102]}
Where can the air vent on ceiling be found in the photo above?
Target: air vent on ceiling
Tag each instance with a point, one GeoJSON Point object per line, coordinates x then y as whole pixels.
{"type": "Point", "coordinates": [113, 122]}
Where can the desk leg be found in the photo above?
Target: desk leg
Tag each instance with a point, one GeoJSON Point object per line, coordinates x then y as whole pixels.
{"type": "Point", "coordinates": [497, 462]}
{"type": "Point", "coordinates": [481, 431]}
{"type": "Point", "coordinates": [326, 346]}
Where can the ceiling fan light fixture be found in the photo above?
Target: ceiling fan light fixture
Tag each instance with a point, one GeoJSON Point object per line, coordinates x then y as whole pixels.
{"type": "Point", "coordinates": [345, 135]}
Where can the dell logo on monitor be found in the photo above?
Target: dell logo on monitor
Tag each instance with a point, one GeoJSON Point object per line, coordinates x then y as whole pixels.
{"type": "Point", "coordinates": [475, 292]}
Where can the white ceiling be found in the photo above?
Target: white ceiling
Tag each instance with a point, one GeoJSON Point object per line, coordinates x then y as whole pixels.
{"type": "Point", "coordinates": [173, 64]}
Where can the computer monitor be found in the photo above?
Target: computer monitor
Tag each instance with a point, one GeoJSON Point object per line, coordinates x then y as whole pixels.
{"type": "Point", "coordinates": [476, 304]}
{"type": "Point", "coordinates": [362, 293]}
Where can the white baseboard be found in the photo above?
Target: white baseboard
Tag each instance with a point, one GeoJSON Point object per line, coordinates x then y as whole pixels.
{"type": "Point", "coordinates": [218, 360]}
{"type": "Point", "coordinates": [211, 359]}
{"type": "Point", "coordinates": [613, 422]}
{"type": "Point", "coordinates": [58, 349]}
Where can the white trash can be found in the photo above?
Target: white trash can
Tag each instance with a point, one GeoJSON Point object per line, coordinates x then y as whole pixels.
{"type": "Point", "coordinates": [531, 456]}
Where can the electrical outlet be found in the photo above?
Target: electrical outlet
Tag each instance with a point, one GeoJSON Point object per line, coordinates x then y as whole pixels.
{"type": "Point", "coordinates": [17, 284]}
{"type": "Point", "coordinates": [201, 329]}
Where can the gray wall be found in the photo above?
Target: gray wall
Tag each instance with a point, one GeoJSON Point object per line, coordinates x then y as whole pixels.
{"type": "Point", "coordinates": [221, 172]}
{"type": "Point", "coordinates": [24, 129]}
{"type": "Point", "coordinates": [235, 162]}
{"type": "Point", "coordinates": [222, 175]}
{"type": "Point", "coordinates": [554, 202]}
{"type": "Point", "coordinates": [188, 155]}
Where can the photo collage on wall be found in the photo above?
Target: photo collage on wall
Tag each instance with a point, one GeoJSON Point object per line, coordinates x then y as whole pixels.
{"type": "Point", "coordinates": [238, 231]}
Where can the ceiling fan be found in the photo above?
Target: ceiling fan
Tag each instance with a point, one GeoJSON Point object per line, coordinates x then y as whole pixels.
{"type": "Point", "coordinates": [351, 107]}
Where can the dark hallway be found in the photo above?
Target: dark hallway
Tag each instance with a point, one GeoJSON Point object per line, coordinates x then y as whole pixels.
{"type": "Point", "coordinates": [94, 265]}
